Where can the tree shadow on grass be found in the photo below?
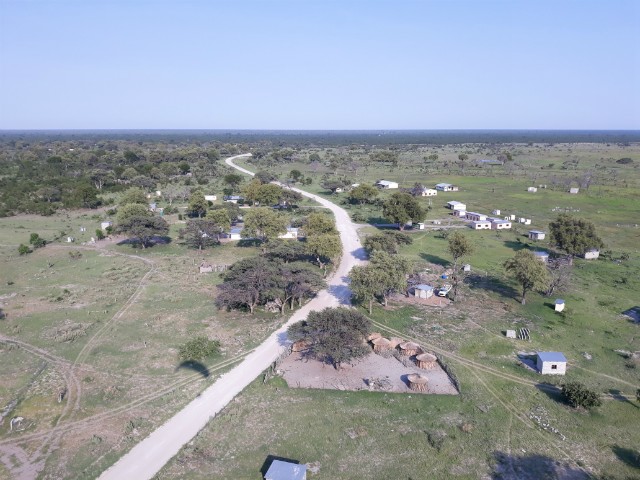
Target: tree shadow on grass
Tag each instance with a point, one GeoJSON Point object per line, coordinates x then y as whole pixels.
{"type": "Point", "coordinates": [617, 395]}
{"type": "Point", "coordinates": [195, 366]}
{"type": "Point", "coordinates": [492, 284]}
{"type": "Point", "coordinates": [515, 245]}
{"type": "Point", "coordinates": [553, 392]}
{"type": "Point", "coordinates": [434, 259]}
{"type": "Point", "coordinates": [157, 240]}
{"type": "Point", "coordinates": [627, 455]}
{"type": "Point", "coordinates": [534, 467]}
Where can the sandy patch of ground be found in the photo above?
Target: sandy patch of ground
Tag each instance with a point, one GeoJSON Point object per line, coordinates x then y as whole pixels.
{"type": "Point", "coordinates": [301, 372]}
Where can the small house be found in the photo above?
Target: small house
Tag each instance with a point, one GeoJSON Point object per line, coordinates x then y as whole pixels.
{"type": "Point", "coordinates": [574, 190]}
{"type": "Point", "coordinates": [386, 184]}
{"type": "Point", "coordinates": [418, 226]}
{"type": "Point", "coordinates": [495, 212]}
{"type": "Point", "coordinates": [481, 225]}
{"type": "Point", "coordinates": [423, 291]}
{"type": "Point", "coordinates": [281, 470]}
{"type": "Point", "coordinates": [497, 224]}
{"type": "Point", "coordinates": [292, 233]}
{"type": "Point", "coordinates": [235, 234]}
{"type": "Point", "coordinates": [536, 235]}
{"type": "Point", "coordinates": [70, 239]}
{"type": "Point", "coordinates": [105, 225]}
{"type": "Point", "coordinates": [427, 192]}
{"type": "Point", "coordinates": [210, 198]}
{"type": "Point", "coordinates": [232, 198]}
{"type": "Point", "coordinates": [459, 213]}
{"type": "Point", "coordinates": [476, 217]}
{"type": "Point", "coordinates": [512, 217]}
{"type": "Point", "coordinates": [206, 267]}
{"type": "Point", "coordinates": [446, 187]}
{"type": "Point", "coordinates": [466, 267]}
{"type": "Point", "coordinates": [559, 305]}
{"type": "Point", "coordinates": [551, 363]}
{"type": "Point", "coordinates": [532, 189]}
{"type": "Point", "coordinates": [84, 229]}
{"type": "Point", "coordinates": [158, 193]}
{"type": "Point", "coordinates": [527, 221]}
{"type": "Point", "coordinates": [455, 205]}
{"type": "Point", "coordinates": [542, 256]}
{"type": "Point", "coordinates": [591, 254]}
{"type": "Point", "coordinates": [339, 190]}
{"type": "Point", "coordinates": [510, 334]}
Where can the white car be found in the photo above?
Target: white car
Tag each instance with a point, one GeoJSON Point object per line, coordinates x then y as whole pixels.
{"type": "Point", "coordinates": [443, 290]}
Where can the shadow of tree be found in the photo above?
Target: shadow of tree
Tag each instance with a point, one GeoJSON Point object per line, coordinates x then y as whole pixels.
{"type": "Point", "coordinates": [434, 259]}
{"type": "Point", "coordinates": [491, 283]}
{"type": "Point", "coordinates": [515, 245]}
{"type": "Point", "coordinates": [360, 254]}
{"type": "Point", "coordinates": [553, 392]}
{"type": "Point", "coordinates": [534, 467]}
{"type": "Point", "coordinates": [196, 366]}
{"type": "Point", "coordinates": [627, 455]}
{"type": "Point", "coordinates": [617, 395]}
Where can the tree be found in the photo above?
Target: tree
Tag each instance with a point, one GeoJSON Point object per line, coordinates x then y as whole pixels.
{"type": "Point", "coordinates": [37, 241]}
{"type": "Point", "coordinates": [134, 195]}
{"type": "Point", "coordinates": [559, 276]}
{"type": "Point", "coordinates": [528, 271]}
{"type": "Point", "coordinates": [132, 210]}
{"type": "Point", "coordinates": [459, 246]}
{"type": "Point", "coordinates": [248, 283]}
{"type": "Point", "coordinates": [580, 396]}
{"type": "Point", "coordinates": [401, 208]}
{"type": "Point", "coordinates": [463, 157]}
{"type": "Point", "coordinates": [335, 335]}
{"type": "Point", "coordinates": [99, 234]}
{"type": "Point", "coordinates": [220, 217]}
{"type": "Point", "coordinates": [364, 284]}
{"type": "Point", "coordinates": [392, 273]}
{"type": "Point", "coordinates": [85, 196]}
{"type": "Point", "coordinates": [286, 250]}
{"type": "Point", "coordinates": [23, 249]}
{"type": "Point", "coordinates": [251, 189]}
{"type": "Point", "coordinates": [332, 185]}
{"type": "Point", "coordinates": [233, 180]}
{"type": "Point", "coordinates": [264, 224]}
{"type": "Point", "coordinates": [363, 194]}
{"type": "Point", "coordinates": [200, 348]}
{"type": "Point", "coordinates": [197, 205]}
{"type": "Point", "coordinates": [201, 233]}
{"type": "Point", "coordinates": [319, 224]}
{"type": "Point", "coordinates": [143, 228]}
{"type": "Point", "coordinates": [264, 176]}
{"type": "Point", "coordinates": [268, 194]}
{"type": "Point", "coordinates": [296, 175]}
{"type": "Point", "coordinates": [573, 235]}
{"type": "Point", "coordinates": [324, 247]}
{"type": "Point", "coordinates": [387, 241]}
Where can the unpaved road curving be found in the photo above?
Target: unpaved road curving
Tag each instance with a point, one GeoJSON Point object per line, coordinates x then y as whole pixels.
{"type": "Point", "coordinates": [150, 455]}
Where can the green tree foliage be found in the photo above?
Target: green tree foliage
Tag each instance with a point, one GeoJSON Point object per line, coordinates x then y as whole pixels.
{"type": "Point", "coordinates": [286, 250]}
{"type": "Point", "coordinates": [387, 241]}
{"type": "Point", "coordinates": [385, 156]}
{"type": "Point", "coordinates": [232, 210]}
{"type": "Point", "coordinates": [458, 246]}
{"type": "Point", "coordinates": [296, 175]}
{"type": "Point", "coordinates": [23, 249]}
{"type": "Point", "coordinates": [99, 234]}
{"type": "Point", "coordinates": [134, 195]}
{"type": "Point", "coordinates": [325, 248]}
{"type": "Point", "coordinates": [201, 233]}
{"type": "Point", "coordinates": [247, 284]}
{"type": "Point", "coordinates": [385, 274]}
{"type": "Point", "coordinates": [264, 224]}
{"type": "Point", "coordinates": [401, 208]}
{"type": "Point", "coordinates": [573, 235]}
{"type": "Point", "coordinates": [142, 229]}
{"type": "Point", "coordinates": [319, 224]}
{"type": "Point", "coordinates": [264, 176]}
{"type": "Point", "coordinates": [200, 348]}
{"type": "Point", "coordinates": [132, 210]}
{"type": "Point", "coordinates": [580, 396]}
{"type": "Point", "coordinates": [528, 271]}
{"type": "Point", "coordinates": [233, 180]}
{"type": "Point", "coordinates": [335, 335]}
{"type": "Point", "coordinates": [363, 194]}
{"type": "Point", "coordinates": [220, 217]}
{"type": "Point", "coordinates": [333, 184]}
{"type": "Point", "coordinates": [197, 205]}
{"type": "Point", "coordinates": [36, 241]}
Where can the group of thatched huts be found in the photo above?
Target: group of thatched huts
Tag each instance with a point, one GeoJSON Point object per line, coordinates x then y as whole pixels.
{"type": "Point", "coordinates": [410, 350]}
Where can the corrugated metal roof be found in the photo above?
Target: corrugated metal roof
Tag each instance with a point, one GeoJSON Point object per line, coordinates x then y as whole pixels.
{"type": "Point", "coordinates": [423, 286]}
{"type": "Point", "coordinates": [280, 470]}
{"type": "Point", "coordinates": [552, 357]}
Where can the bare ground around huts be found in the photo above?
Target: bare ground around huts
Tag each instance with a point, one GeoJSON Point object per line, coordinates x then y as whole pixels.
{"type": "Point", "coordinates": [372, 373]}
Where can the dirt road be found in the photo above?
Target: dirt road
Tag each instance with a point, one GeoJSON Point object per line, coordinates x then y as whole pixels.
{"type": "Point", "coordinates": [150, 455]}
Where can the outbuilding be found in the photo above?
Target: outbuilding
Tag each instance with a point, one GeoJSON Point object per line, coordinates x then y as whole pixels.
{"type": "Point", "coordinates": [104, 225]}
{"type": "Point", "coordinates": [281, 470]}
{"type": "Point", "coordinates": [551, 363]}
{"type": "Point", "coordinates": [481, 225]}
{"type": "Point", "coordinates": [476, 217]}
{"type": "Point", "coordinates": [574, 190]}
{"type": "Point", "coordinates": [542, 256]}
{"type": "Point", "coordinates": [591, 254]}
{"type": "Point", "coordinates": [559, 305]}
{"type": "Point", "coordinates": [446, 187]}
{"type": "Point", "coordinates": [423, 291]}
{"type": "Point", "coordinates": [235, 234]}
{"type": "Point", "coordinates": [292, 233]}
{"type": "Point", "coordinates": [498, 224]}
{"type": "Point", "coordinates": [210, 198]}
{"type": "Point", "coordinates": [428, 192]}
{"type": "Point", "coordinates": [386, 184]}
{"type": "Point", "coordinates": [536, 235]}
{"type": "Point", "coordinates": [532, 189]}
{"type": "Point", "coordinates": [455, 205]}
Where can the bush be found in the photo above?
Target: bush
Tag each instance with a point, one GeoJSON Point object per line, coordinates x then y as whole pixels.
{"type": "Point", "coordinates": [198, 349]}
{"type": "Point", "coordinates": [36, 241]}
{"type": "Point", "coordinates": [99, 234]}
{"type": "Point", "coordinates": [23, 249]}
{"type": "Point", "coordinates": [580, 396]}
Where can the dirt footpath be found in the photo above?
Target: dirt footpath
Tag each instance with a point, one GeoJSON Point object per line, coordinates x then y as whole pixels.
{"type": "Point", "coordinates": [300, 372]}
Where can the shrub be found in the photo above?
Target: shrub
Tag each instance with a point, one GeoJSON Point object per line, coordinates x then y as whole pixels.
{"type": "Point", "coordinates": [23, 249]}
{"type": "Point", "coordinates": [198, 349]}
{"type": "Point", "coordinates": [36, 241]}
{"type": "Point", "coordinates": [580, 396]}
{"type": "Point", "coordinates": [99, 234]}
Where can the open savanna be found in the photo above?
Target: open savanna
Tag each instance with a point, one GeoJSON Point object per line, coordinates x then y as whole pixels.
{"type": "Point", "coordinates": [508, 421]}
{"type": "Point", "coordinates": [103, 323]}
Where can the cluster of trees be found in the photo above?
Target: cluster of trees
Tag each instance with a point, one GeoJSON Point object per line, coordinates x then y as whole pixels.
{"type": "Point", "coordinates": [402, 208]}
{"type": "Point", "coordinates": [135, 220]}
{"type": "Point", "coordinates": [263, 193]}
{"type": "Point", "coordinates": [35, 240]}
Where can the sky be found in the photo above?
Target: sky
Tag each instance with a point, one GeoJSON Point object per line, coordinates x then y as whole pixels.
{"type": "Point", "coordinates": [312, 64]}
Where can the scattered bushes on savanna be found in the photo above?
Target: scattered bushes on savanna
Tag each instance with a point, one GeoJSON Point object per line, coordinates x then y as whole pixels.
{"type": "Point", "coordinates": [578, 395]}
{"type": "Point", "coordinates": [199, 348]}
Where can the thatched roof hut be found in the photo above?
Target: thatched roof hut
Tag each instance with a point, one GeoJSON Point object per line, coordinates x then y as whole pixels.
{"type": "Point", "coordinates": [417, 382]}
{"type": "Point", "coordinates": [409, 348]}
{"type": "Point", "coordinates": [380, 344]}
{"type": "Point", "coordinates": [395, 341]}
{"type": "Point", "coordinates": [300, 345]}
{"type": "Point", "coordinates": [426, 361]}
{"type": "Point", "coordinates": [374, 335]}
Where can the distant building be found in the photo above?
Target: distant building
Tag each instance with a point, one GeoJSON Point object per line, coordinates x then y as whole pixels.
{"type": "Point", "coordinates": [232, 198]}
{"type": "Point", "coordinates": [206, 267]}
{"type": "Point", "coordinates": [427, 192]}
{"type": "Point", "coordinates": [235, 234]}
{"type": "Point", "coordinates": [446, 187]}
{"type": "Point", "coordinates": [574, 190]}
{"type": "Point", "coordinates": [559, 305]}
{"type": "Point", "coordinates": [481, 225]}
{"type": "Point", "coordinates": [498, 224]}
{"type": "Point", "coordinates": [280, 470]}
{"type": "Point", "coordinates": [386, 184]}
{"type": "Point", "coordinates": [423, 291]}
{"type": "Point", "coordinates": [542, 256]}
{"type": "Point", "coordinates": [466, 267]}
{"type": "Point", "coordinates": [532, 189]}
{"type": "Point", "coordinates": [495, 212]}
{"type": "Point", "coordinates": [211, 198]}
{"type": "Point", "coordinates": [551, 363]}
{"type": "Point", "coordinates": [105, 225]}
{"type": "Point", "coordinates": [418, 226]}
{"type": "Point", "coordinates": [477, 217]}
{"type": "Point", "coordinates": [536, 235]}
{"type": "Point", "coordinates": [459, 213]}
{"type": "Point", "coordinates": [454, 205]}
{"type": "Point", "coordinates": [292, 233]}
{"type": "Point", "coordinates": [591, 254]}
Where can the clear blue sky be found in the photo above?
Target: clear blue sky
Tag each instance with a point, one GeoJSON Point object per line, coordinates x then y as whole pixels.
{"type": "Point", "coordinates": [312, 64]}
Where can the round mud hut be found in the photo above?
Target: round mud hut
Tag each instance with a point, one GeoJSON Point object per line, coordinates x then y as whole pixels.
{"type": "Point", "coordinates": [380, 344]}
{"type": "Point", "coordinates": [373, 336]}
{"type": "Point", "coordinates": [409, 349]}
{"type": "Point", "coordinates": [417, 382]}
{"type": "Point", "coordinates": [426, 361]}
{"type": "Point", "coordinates": [395, 341]}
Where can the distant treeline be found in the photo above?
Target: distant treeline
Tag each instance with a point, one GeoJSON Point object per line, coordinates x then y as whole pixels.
{"type": "Point", "coordinates": [331, 137]}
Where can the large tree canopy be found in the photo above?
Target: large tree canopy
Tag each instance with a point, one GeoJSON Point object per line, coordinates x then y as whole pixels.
{"type": "Point", "coordinates": [401, 208]}
{"type": "Point", "coordinates": [574, 235]}
{"type": "Point", "coordinates": [335, 335]}
{"type": "Point", "coordinates": [528, 271]}
{"type": "Point", "coordinates": [143, 228]}
{"type": "Point", "coordinates": [264, 224]}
